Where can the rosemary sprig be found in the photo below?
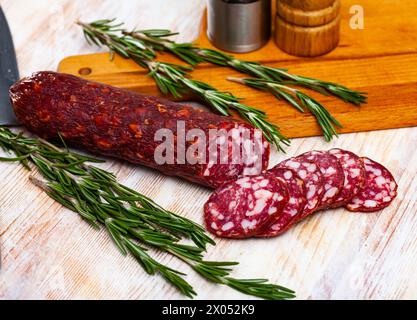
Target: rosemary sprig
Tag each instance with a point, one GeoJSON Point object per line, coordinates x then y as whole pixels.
{"type": "Point", "coordinates": [186, 51]}
{"type": "Point", "coordinates": [174, 79]}
{"type": "Point", "coordinates": [132, 220]}
{"type": "Point", "coordinates": [299, 100]}
{"type": "Point", "coordinates": [159, 40]}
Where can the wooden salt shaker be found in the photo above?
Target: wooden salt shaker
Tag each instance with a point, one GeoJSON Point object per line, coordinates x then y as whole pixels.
{"type": "Point", "coordinates": [307, 28]}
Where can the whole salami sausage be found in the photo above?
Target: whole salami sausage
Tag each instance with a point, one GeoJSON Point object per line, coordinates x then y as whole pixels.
{"type": "Point", "coordinates": [127, 125]}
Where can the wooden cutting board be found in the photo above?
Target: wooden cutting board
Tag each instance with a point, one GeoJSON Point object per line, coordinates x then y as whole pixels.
{"type": "Point", "coordinates": [379, 60]}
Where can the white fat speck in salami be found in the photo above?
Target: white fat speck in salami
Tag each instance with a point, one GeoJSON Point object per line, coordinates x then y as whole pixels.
{"type": "Point", "coordinates": [294, 206]}
{"type": "Point", "coordinates": [379, 189]}
{"type": "Point", "coordinates": [309, 172]}
{"type": "Point", "coordinates": [354, 176]}
{"type": "Point", "coordinates": [332, 172]}
{"type": "Point", "coordinates": [245, 206]}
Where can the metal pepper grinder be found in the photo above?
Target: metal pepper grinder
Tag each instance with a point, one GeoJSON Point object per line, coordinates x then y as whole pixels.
{"type": "Point", "coordinates": [239, 25]}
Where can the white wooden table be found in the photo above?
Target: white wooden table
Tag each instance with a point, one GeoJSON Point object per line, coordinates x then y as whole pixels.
{"type": "Point", "coordinates": [49, 253]}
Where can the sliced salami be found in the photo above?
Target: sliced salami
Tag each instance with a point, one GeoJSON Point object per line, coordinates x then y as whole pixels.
{"type": "Point", "coordinates": [379, 189]}
{"type": "Point", "coordinates": [309, 172]}
{"type": "Point", "coordinates": [354, 175]}
{"type": "Point", "coordinates": [332, 174]}
{"type": "Point", "coordinates": [294, 206]}
{"type": "Point", "coordinates": [241, 209]}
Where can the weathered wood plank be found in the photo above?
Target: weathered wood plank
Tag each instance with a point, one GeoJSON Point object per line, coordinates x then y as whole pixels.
{"type": "Point", "coordinates": [49, 253]}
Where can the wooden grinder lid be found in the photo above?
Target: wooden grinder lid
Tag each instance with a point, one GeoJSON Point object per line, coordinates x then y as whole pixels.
{"type": "Point", "coordinates": [307, 28]}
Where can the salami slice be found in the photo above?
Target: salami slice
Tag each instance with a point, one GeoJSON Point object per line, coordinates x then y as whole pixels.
{"type": "Point", "coordinates": [379, 191]}
{"type": "Point", "coordinates": [309, 172]}
{"type": "Point", "coordinates": [332, 174]}
{"type": "Point", "coordinates": [241, 209]}
{"type": "Point", "coordinates": [172, 138]}
{"type": "Point", "coordinates": [294, 206]}
{"type": "Point", "coordinates": [354, 175]}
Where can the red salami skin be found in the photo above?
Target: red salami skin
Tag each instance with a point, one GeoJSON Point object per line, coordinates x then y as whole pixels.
{"type": "Point", "coordinates": [240, 209]}
{"type": "Point", "coordinates": [309, 172]}
{"type": "Point", "coordinates": [379, 190]}
{"type": "Point", "coordinates": [120, 123]}
{"type": "Point", "coordinates": [354, 174]}
{"type": "Point", "coordinates": [332, 172]}
{"type": "Point", "coordinates": [293, 208]}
